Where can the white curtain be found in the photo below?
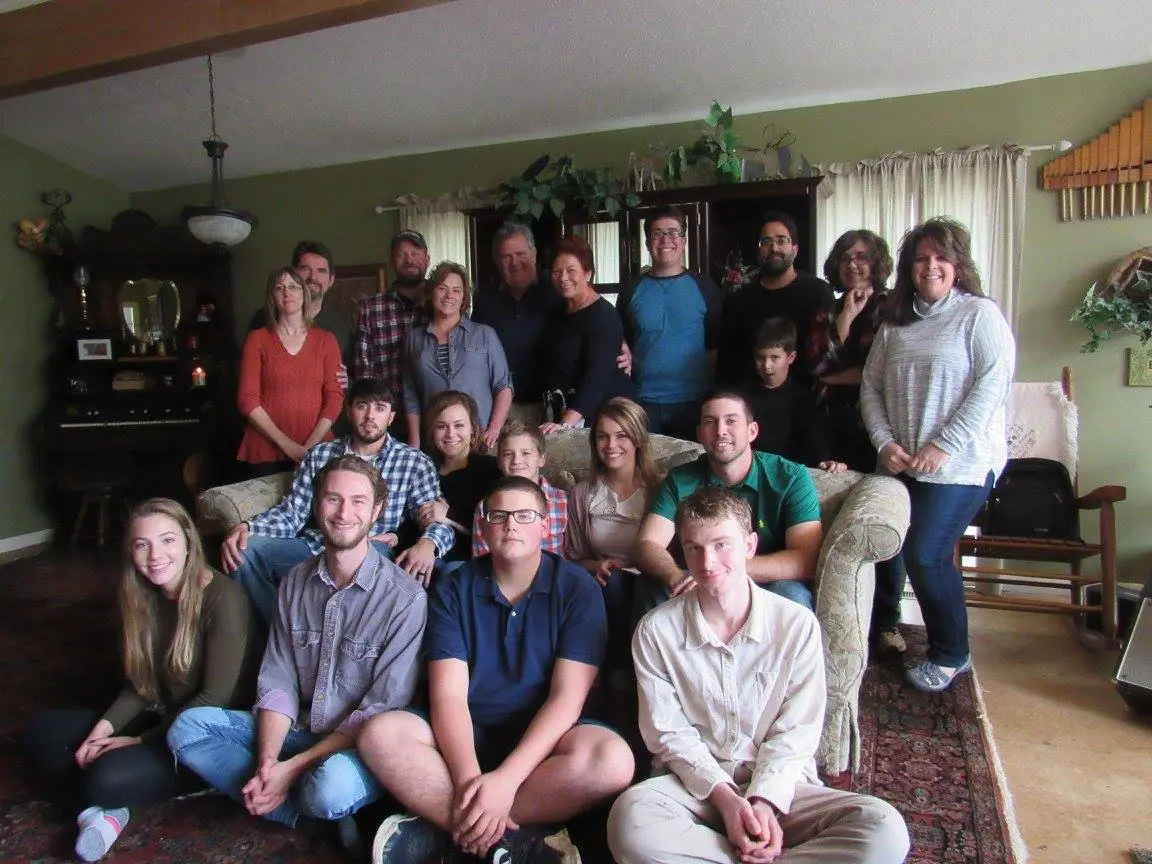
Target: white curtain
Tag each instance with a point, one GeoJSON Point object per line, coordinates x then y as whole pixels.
{"type": "Point", "coordinates": [444, 227]}
{"type": "Point", "coordinates": [982, 187]}
{"type": "Point", "coordinates": [604, 238]}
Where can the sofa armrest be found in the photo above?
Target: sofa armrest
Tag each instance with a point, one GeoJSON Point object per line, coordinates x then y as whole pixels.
{"type": "Point", "coordinates": [869, 527]}
{"type": "Point", "coordinates": [221, 508]}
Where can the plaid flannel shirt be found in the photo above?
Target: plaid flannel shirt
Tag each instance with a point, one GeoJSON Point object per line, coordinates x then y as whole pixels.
{"type": "Point", "coordinates": [411, 479]}
{"type": "Point", "coordinates": [383, 323]}
{"type": "Point", "coordinates": [557, 522]}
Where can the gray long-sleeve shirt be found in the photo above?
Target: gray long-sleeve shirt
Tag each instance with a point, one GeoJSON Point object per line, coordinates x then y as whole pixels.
{"type": "Point", "coordinates": [337, 657]}
{"type": "Point", "coordinates": [943, 379]}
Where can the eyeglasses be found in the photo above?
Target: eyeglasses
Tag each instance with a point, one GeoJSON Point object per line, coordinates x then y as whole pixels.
{"type": "Point", "coordinates": [522, 517]}
{"type": "Point", "coordinates": [670, 233]}
{"type": "Point", "coordinates": [285, 287]}
{"type": "Point", "coordinates": [860, 259]}
{"type": "Point", "coordinates": [779, 242]}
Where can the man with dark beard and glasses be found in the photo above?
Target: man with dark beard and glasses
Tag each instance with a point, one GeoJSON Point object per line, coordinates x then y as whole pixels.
{"type": "Point", "coordinates": [345, 646]}
{"type": "Point", "coordinates": [257, 551]}
{"type": "Point", "coordinates": [781, 494]}
{"type": "Point", "coordinates": [385, 317]}
{"type": "Point", "coordinates": [780, 292]}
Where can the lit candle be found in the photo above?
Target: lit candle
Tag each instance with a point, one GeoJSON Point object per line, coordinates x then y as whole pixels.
{"type": "Point", "coordinates": [199, 377]}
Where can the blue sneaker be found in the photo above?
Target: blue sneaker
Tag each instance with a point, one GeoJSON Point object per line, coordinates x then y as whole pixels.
{"type": "Point", "coordinates": [930, 678]}
{"type": "Point", "coordinates": [535, 844]}
{"type": "Point", "coordinates": [405, 839]}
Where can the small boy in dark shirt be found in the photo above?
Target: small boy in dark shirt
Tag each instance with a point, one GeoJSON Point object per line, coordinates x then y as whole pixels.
{"type": "Point", "coordinates": [786, 413]}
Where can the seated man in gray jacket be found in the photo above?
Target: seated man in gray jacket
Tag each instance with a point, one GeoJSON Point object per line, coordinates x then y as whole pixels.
{"type": "Point", "coordinates": [344, 647]}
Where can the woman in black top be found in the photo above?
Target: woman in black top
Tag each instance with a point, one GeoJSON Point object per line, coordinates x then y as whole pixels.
{"type": "Point", "coordinates": [582, 343]}
{"type": "Point", "coordinates": [452, 438]}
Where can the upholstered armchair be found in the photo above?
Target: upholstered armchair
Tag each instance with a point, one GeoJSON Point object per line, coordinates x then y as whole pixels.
{"type": "Point", "coordinates": [865, 519]}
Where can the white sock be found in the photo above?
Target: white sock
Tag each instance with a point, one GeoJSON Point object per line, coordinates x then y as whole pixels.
{"type": "Point", "coordinates": [99, 833]}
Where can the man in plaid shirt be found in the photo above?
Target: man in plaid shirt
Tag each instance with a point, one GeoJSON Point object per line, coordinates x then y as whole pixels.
{"type": "Point", "coordinates": [385, 317]}
{"type": "Point", "coordinates": [274, 541]}
{"type": "Point", "coordinates": [520, 453]}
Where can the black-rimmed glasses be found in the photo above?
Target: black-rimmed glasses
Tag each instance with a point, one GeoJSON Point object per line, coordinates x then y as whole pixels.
{"type": "Point", "coordinates": [522, 517]}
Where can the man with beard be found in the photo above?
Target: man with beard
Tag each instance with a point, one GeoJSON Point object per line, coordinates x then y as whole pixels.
{"type": "Point", "coordinates": [345, 646]}
{"type": "Point", "coordinates": [274, 541]}
{"type": "Point", "coordinates": [785, 509]}
{"type": "Point", "coordinates": [385, 317]}
{"type": "Point", "coordinates": [313, 261]}
{"type": "Point", "coordinates": [780, 292]}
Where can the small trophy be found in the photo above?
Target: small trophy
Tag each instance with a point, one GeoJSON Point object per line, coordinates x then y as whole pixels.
{"type": "Point", "coordinates": [82, 278]}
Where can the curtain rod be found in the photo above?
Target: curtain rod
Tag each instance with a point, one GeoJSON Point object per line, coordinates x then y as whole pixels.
{"type": "Point", "coordinates": [1061, 146]}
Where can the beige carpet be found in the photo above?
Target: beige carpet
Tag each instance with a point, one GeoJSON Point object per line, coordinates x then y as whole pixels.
{"type": "Point", "coordinates": [1078, 762]}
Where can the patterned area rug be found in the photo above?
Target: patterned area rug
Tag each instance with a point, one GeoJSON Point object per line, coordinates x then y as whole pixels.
{"type": "Point", "coordinates": [58, 648]}
{"type": "Point", "coordinates": [931, 756]}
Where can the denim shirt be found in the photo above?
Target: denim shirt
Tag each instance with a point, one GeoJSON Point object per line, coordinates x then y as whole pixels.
{"type": "Point", "coordinates": [339, 656]}
{"type": "Point", "coordinates": [476, 366]}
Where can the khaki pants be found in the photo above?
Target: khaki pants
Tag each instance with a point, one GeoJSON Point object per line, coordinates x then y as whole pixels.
{"type": "Point", "coordinates": [658, 821]}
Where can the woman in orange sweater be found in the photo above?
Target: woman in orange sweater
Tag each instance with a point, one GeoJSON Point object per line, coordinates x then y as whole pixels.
{"type": "Point", "coordinates": [288, 390]}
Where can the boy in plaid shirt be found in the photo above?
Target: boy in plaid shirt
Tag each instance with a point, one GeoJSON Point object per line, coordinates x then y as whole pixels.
{"type": "Point", "coordinates": [520, 452]}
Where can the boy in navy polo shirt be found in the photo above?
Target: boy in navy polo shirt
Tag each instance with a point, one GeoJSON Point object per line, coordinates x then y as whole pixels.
{"type": "Point", "coordinates": [514, 642]}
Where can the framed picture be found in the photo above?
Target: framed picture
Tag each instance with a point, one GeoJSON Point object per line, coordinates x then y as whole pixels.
{"type": "Point", "coordinates": [94, 349]}
{"type": "Point", "coordinates": [354, 283]}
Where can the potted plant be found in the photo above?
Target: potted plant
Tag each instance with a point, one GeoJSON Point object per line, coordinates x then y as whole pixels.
{"type": "Point", "coordinates": [716, 147]}
{"type": "Point", "coordinates": [1123, 303]}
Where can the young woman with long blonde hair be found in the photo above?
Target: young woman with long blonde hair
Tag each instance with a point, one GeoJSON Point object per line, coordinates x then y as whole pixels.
{"type": "Point", "coordinates": [187, 639]}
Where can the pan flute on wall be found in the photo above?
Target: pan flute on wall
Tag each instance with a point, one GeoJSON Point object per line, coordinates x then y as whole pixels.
{"type": "Point", "coordinates": [1113, 171]}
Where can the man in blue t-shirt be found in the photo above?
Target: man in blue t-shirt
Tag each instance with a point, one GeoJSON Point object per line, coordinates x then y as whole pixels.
{"type": "Point", "coordinates": [672, 323]}
{"type": "Point", "coordinates": [501, 758]}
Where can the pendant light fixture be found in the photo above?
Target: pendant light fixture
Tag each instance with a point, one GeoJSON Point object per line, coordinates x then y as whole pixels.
{"type": "Point", "coordinates": [217, 223]}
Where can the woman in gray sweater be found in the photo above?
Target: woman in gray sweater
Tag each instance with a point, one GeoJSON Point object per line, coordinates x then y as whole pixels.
{"type": "Point", "coordinates": [932, 396]}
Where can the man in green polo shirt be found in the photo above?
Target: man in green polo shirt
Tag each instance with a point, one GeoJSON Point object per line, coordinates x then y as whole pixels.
{"type": "Point", "coordinates": [785, 509]}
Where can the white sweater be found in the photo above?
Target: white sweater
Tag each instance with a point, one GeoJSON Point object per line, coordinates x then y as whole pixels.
{"type": "Point", "coordinates": [943, 379]}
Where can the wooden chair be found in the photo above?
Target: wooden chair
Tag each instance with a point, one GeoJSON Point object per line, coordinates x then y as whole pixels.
{"type": "Point", "coordinates": [1042, 422]}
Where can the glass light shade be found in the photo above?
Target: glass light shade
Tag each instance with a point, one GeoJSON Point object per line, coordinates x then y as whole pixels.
{"type": "Point", "coordinates": [217, 225]}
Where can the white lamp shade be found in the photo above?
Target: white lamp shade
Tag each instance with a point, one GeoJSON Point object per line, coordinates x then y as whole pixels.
{"type": "Point", "coordinates": [220, 227]}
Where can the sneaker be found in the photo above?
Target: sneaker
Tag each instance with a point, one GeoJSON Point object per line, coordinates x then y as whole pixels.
{"type": "Point", "coordinates": [405, 839]}
{"type": "Point", "coordinates": [536, 844]}
{"type": "Point", "coordinates": [930, 678]}
{"type": "Point", "coordinates": [891, 641]}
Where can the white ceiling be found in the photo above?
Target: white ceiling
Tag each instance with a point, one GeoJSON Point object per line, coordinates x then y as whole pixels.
{"type": "Point", "coordinates": [483, 71]}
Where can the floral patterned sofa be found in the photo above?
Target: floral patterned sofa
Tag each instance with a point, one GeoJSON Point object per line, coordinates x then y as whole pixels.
{"type": "Point", "coordinates": [865, 519]}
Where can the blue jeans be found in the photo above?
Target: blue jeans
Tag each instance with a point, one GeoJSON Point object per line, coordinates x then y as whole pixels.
{"type": "Point", "coordinates": [678, 419]}
{"type": "Point", "coordinates": [889, 592]}
{"type": "Point", "coordinates": [940, 514]}
{"type": "Point", "coordinates": [220, 746]}
{"type": "Point", "coordinates": [265, 560]}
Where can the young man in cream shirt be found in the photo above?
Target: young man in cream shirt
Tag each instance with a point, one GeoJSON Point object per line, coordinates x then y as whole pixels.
{"type": "Point", "coordinates": [732, 693]}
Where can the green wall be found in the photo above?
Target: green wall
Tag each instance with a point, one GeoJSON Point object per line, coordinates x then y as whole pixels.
{"type": "Point", "coordinates": [24, 174]}
{"type": "Point", "coordinates": [1060, 259]}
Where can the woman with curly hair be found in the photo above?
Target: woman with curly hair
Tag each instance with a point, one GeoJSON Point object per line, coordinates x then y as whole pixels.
{"type": "Point", "coordinates": [933, 394]}
{"type": "Point", "coordinates": [188, 640]}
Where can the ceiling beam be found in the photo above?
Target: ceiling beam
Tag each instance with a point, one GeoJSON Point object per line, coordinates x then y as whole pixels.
{"type": "Point", "coordinates": [69, 41]}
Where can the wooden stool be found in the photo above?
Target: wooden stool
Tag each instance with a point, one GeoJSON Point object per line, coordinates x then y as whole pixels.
{"type": "Point", "coordinates": [103, 496]}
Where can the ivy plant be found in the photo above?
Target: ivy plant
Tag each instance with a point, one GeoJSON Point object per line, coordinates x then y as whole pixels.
{"type": "Point", "coordinates": [717, 144]}
{"type": "Point", "coordinates": [554, 184]}
{"type": "Point", "coordinates": [1115, 310]}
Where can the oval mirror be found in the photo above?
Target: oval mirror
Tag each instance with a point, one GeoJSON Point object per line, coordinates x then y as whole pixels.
{"type": "Point", "coordinates": [150, 308]}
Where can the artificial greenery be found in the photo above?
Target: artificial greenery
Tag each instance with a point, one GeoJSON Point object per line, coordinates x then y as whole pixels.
{"type": "Point", "coordinates": [1117, 309]}
{"type": "Point", "coordinates": [717, 144]}
{"type": "Point", "coordinates": [556, 184]}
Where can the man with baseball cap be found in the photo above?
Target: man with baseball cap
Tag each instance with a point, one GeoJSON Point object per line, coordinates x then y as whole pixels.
{"type": "Point", "coordinates": [385, 317]}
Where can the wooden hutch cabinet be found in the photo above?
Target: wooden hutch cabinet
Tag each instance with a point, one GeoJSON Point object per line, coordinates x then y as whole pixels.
{"type": "Point", "coordinates": [723, 225]}
{"type": "Point", "coordinates": [143, 368]}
